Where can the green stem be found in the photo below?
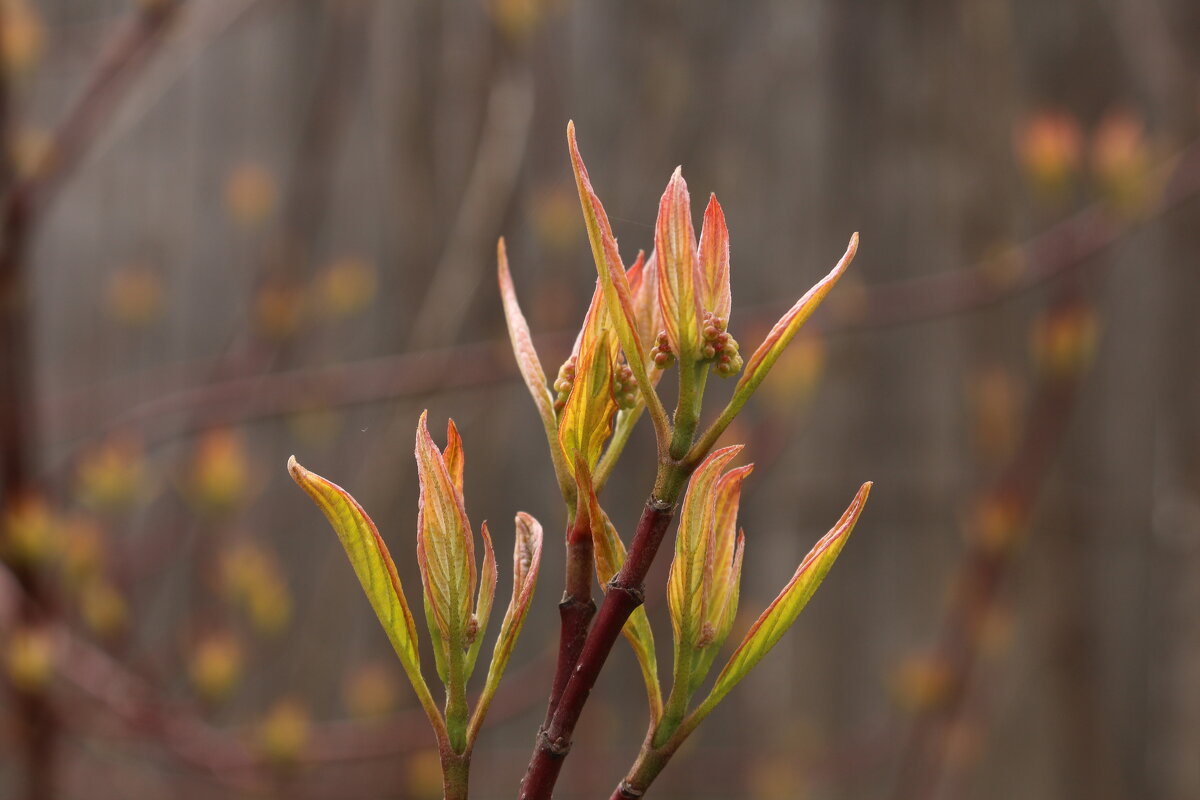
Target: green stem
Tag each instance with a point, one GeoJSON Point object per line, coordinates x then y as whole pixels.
{"type": "Point", "coordinates": [652, 759]}
{"type": "Point", "coordinates": [692, 378]}
{"type": "Point", "coordinates": [456, 695]}
{"type": "Point", "coordinates": [626, 421]}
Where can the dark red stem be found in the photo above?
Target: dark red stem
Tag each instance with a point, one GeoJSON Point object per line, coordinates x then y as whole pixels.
{"type": "Point", "coordinates": [625, 593]}
{"type": "Point", "coordinates": [575, 610]}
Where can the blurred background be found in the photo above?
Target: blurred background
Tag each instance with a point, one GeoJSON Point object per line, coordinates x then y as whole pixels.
{"type": "Point", "coordinates": [234, 230]}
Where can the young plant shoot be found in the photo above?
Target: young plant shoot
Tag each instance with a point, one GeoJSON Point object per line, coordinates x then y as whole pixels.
{"type": "Point", "coordinates": [670, 310]}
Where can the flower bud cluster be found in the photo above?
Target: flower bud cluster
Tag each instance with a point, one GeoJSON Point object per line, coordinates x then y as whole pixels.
{"type": "Point", "coordinates": [661, 352]}
{"type": "Point", "coordinates": [719, 346]}
{"type": "Point", "coordinates": [624, 386]}
{"type": "Point", "coordinates": [563, 384]}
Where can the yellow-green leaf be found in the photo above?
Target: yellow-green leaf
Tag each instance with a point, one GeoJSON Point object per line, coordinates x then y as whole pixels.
{"type": "Point", "coordinates": [587, 418]}
{"type": "Point", "coordinates": [610, 557]}
{"type": "Point", "coordinates": [445, 547]}
{"type": "Point", "coordinates": [782, 612]}
{"type": "Point", "coordinates": [530, 368]}
{"type": "Point", "coordinates": [768, 352]}
{"type": "Point", "coordinates": [727, 496]}
{"type": "Point", "coordinates": [691, 569]}
{"type": "Point", "coordinates": [527, 557]}
{"type": "Point", "coordinates": [759, 364]}
{"type": "Point", "coordinates": [678, 269]}
{"type": "Point", "coordinates": [615, 285]}
{"type": "Point", "coordinates": [454, 458]}
{"type": "Point", "coordinates": [483, 604]}
{"type": "Point", "coordinates": [374, 567]}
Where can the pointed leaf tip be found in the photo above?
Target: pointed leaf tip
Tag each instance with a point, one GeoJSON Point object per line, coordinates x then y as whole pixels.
{"type": "Point", "coordinates": [678, 268]}
{"type": "Point", "coordinates": [783, 611]}
{"type": "Point", "coordinates": [759, 364]}
{"type": "Point", "coordinates": [530, 366]}
{"type": "Point", "coordinates": [614, 285]}
{"type": "Point", "coordinates": [373, 565]}
{"type": "Point", "coordinates": [445, 545]}
{"type": "Point", "coordinates": [714, 261]}
{"type": "Point", "coordinates": [527, 557]}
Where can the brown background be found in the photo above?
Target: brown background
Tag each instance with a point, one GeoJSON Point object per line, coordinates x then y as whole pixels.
{"type": "Point", "coordinates": [411, 134]}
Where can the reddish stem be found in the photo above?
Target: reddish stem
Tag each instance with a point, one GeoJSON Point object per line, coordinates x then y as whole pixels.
{"type": "Point", "coordinates": [624, 595]}
{"type": "Point", "coordinates": [575, 610]}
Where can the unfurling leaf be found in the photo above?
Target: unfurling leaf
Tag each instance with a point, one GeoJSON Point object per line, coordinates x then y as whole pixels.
{"type": "Point", "coordinates": [454, 458]}
{"type": "Point", "coordinates": [678, 269]}
{"type": "Point", "coordinates": [726, 545]}
{"type": "Point", "coordinates": [692, 566]}
{"type": "Point", "coordinates": [768, 352]}
{"type": "Point", "coordinates": [618, 297]}
{"type": "Point", "coordinates": [610, 557]}
{"type": "Point", "coordinates": [445, 548]}
{"type": "Point", "coordinates": [530, 367]}
{"type": "Point", "coordinates": [587, 418]}
{"type": "Point", "coordinates": [527, 557]}
{"type": "Point", "coordinates": [483, 603]}
{"type": "Point", "coordinates": [643, 287]}
{"type": "Point", "coordinates": [701, 575]}
{"type": "Point", "coordinates": [728, 361]}
{"type": "Point", "coordinates": [714, 261]}
{"type": "Point", "coordinates": [374, 567]}
{"type": "Point", "coordinates": [782, 612]}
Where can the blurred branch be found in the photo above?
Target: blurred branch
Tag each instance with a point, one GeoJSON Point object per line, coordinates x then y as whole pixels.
{"type": "Point", "coordinates": [135, 40]}
{"type": "Point", "coordinates": [228, 755]}
{"type": "Point", "coordinates": [994, 540]}
{"type": "Point", "coordinates": [24, 200]}
{"type": "Point", "coordinates": [489, 189]}
{"type": "Point", "coordinates": [1066, 247]}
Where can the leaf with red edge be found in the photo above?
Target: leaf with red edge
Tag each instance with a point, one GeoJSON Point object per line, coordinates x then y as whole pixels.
{"type": "Point", "coordinates": [484, 600]}
{"type": "Point", "coordinates": [759, 364]}
{"type": "Point", "coordinates": [782, 612]}
{"type": "Point", "coordinates": [527, 558]}
{"type": "Point", "coordinates": [615, 285]}
{"type": "Point", "coordinates": [714, 261]}
{"type": "Point", "coordinates": [678, 269]}
{"type": "Point", "coordinates": [530, 366]}
{"type": "Point", "coordinates": [372, 564]}
{"type": "Point", "coordinates": [587, 419]}
{"type": "Point", "coordinates": [691, 569]}
{"type": "Point", "coordinates": [445, 546]}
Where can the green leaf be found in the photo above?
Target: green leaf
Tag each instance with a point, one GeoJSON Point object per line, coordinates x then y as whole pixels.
{"type": "Point", "coordinates": [610, 557]}
{"type": "Point", "coordinates": [782, 612]}
{"type": "Point", "coordinates": [527, 558]}
{"type": "Point", "coordinates": [587, 418]}
{"type": "Point", "coordinates": [768, 353]}
{"type": "Point", "coordinates": [376, 573]}
{"type": "Point", "coordinates": [726, 545]}
{"type": "Point", "coordinates": [615, 285]}
{"type": "Point", "coordinates": [759, 364]}
{"type": "Point", "coordinates": [689, 584]}
{"type": "Point", "coordinates": [531, 371]}
{"type": "Point", "coordinates": [483, 604]}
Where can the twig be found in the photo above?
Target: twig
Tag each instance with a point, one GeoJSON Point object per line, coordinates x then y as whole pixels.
{"type": "Point", "coordinates": [625, 593]}
{"type": "Point", "coordinates": [983, 570]}
{"type": "Point", "coordinates": [491, 184]}
{"type": "Point", "coordinates": [1069, 246]}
